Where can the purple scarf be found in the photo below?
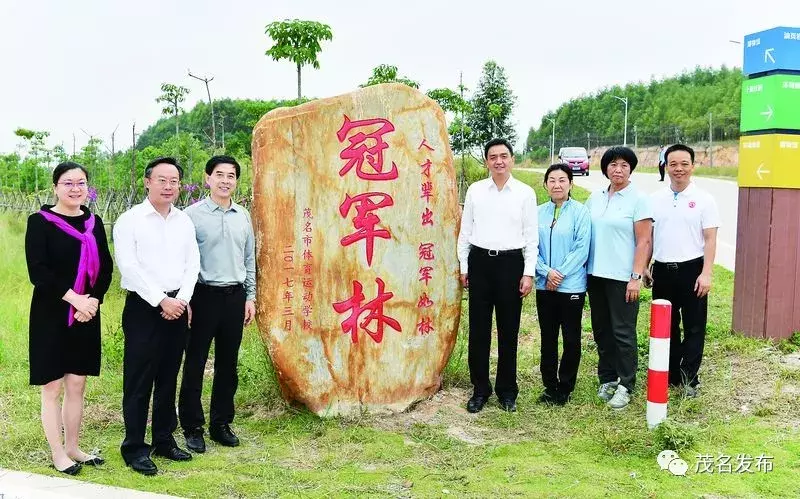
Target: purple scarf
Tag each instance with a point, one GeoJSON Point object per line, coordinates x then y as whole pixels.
{"type": "Point", "coordinates": [89, 264]}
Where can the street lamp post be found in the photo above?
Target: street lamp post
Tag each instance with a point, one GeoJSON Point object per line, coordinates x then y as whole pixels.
{"type": "Point", "coordinates": [552, 139]}
{"type": "Point", "coordinates": [625, 133]}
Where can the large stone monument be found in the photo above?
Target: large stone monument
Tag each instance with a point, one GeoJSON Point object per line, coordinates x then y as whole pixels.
{"type": "Point", "coordinates": [356, 216]}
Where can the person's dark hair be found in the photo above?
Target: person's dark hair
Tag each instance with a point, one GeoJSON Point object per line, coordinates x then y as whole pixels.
{"type": "Point", "coordinates": [220, 160]}
{"type": "Point", "coordinates": [497, 142]}
{"type": "Point", "coordinates": [679, 147]}
{"type": "Point", "coordinates": [66, 166]}
{"type": "Point", "coordinates": [148, 170]}
{"type": "Point", "coordinates": [615, 153]}
{"type": "Point", "coordinates": [564, 168]}
{"type": "Point", "coordinates": [558, 166]}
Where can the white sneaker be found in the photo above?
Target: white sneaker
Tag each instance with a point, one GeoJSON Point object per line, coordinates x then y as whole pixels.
{"type": "Point", "coordinates": [606, 390]}
{"type": "Point", "coordinates": [620, 399]}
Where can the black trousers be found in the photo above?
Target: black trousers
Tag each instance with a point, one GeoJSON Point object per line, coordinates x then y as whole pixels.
{"type": "Point", "coordinates": [217, 314]}
{"type": "Point", "coordinates": [560, 311]}
{"type": "Point", "coordinates": [494, 286]}
{"type": "Point", "coordinates": [152, 359]}
{"type": "Point", "coordinates": [675, 282]}
{"type": "Point", "coordinates": [614, 328]}
{"type": "Point", "coordinates": [661, 169]}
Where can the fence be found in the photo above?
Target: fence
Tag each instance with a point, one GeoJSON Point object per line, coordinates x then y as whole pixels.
{"type": "Point", "coordinates": [109, 204]}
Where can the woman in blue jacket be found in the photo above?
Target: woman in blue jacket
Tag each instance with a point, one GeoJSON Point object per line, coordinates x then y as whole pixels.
{"type": "Point", "coordinates": [565, 231]}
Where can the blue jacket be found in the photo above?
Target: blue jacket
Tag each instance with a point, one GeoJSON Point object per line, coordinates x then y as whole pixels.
{"type": "Point", "coordinates": [564, 245]}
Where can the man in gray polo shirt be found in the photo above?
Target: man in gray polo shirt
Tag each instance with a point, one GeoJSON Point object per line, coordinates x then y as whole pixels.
{"type": "Point", "coordinates": [222, 304]}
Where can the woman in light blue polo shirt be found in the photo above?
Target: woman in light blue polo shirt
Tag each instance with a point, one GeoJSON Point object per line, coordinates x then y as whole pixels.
{"type": "Point", "coordinates": [564, 235]}
{"type": "Point", "coordinates": [622, 221]}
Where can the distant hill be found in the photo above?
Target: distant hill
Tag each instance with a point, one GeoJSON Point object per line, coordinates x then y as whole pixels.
{"type": "Point", "coordinates": [666, 111]}
{"type": "Point", "coordinates": [235, 119]}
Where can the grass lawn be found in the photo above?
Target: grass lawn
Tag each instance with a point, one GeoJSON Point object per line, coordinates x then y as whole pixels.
{"type": "Point", "coordinates": [723, 172]}
{"type": "Point", "coordinates": [750, 405]}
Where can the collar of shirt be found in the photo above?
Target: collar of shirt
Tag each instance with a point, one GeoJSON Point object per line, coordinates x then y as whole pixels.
{"type": "Point", "coordinates": [212, 206]}
{"type": "Point", "coordinates": [623, 192]}
{"type": "Point", "coordinates": [492, 186]}
{"type": "Point", "coordinates": [149, 209]}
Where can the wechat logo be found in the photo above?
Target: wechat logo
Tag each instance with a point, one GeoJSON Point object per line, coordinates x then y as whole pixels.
{"type": "Point", "coordinates": [670, 460]}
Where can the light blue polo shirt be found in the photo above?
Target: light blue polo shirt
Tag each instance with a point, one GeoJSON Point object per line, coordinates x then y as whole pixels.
{"type": "Point", "coordinates": [613, 240]}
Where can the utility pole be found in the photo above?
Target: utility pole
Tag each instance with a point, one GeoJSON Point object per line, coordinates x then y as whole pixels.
{"type": "Point", "coordinates": [133, 163]}
{"type": "Point", "coordinates": [211, 104]}
{"type": "Point", "coordinates": [222, 125]}
{"type": "Point", "coordinates": [710, 140]}
{"type": "Point", "coordinates": [588, 143]}
{"type": "Point", "coordinates": [552, 139]}
{"type": "Point", "coordinates": [625, 133]}
{"type": "Point", "coordinates": [635, 138]}
{"type": "Point", "coordinates": [113, 157]}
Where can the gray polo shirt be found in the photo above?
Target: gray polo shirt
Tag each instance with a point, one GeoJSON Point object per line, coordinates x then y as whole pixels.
{"type": "Point", "coordinates": [227, 245]}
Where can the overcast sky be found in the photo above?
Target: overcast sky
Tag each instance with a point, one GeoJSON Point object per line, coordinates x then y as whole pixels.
{"type": "Point", "coordinates": [98, 64]}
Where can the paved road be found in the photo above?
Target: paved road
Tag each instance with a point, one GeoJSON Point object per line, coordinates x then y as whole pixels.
{"type": "Point", "coordinates": [726, 192]}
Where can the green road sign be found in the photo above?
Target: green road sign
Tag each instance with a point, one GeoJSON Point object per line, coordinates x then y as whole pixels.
{"type": "Point", "coordinates": [771, 102]}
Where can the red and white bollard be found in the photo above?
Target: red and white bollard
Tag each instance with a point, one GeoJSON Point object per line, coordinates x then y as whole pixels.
{"type": "Point", "coordinates": [658, 364]}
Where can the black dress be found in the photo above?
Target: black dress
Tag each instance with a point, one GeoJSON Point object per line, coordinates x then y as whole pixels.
{"type": "Point", "coordinates": [56, 349]}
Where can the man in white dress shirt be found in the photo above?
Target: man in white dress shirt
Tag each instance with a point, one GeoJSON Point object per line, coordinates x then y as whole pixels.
{"type": "Point", "coordinates": [684, 247]}
{"type": "Point", "coordinates": [157, 255]}
{"type": "Point", "coordinates": [497, 249]}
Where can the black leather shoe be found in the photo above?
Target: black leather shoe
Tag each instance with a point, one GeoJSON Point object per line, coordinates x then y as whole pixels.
{"type": "Point", "coordinates": [72, 470]}
{"type": "Point", "coordinates": [508, 405]}
{"type": "Point", "coordinates": [194, 440]}
{"type": "Point", "coordinates": [476, 403]}
{"type": "Point", "coordinates": [144, 465]}
{"type": "Point", "coordinates": [548, 398]}
{"type": "Point", "coordinates": [174, 453]}
{"type": "Point", "coordinates": [223, 435]}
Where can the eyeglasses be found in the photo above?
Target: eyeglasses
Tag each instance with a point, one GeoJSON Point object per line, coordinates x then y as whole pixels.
{"type": "Point", "coordinates": [70, 185]}
{"type": "Point", "coordinates": [163, 182]}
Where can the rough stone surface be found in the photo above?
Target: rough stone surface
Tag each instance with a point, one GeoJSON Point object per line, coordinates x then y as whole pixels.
{"type": "Point", "coordinates": [333, 178]}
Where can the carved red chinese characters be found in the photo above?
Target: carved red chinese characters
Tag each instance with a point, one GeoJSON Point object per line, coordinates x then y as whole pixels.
{"type": "Point", "coordinates": [359, 193]}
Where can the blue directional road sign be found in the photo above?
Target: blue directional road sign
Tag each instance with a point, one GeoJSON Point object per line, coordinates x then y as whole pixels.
{"type": "Point", "coordinates": [771, 50]}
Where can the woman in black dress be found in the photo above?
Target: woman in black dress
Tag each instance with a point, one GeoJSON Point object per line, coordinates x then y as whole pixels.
{"type": "Point", "coordinates": [70, 267]}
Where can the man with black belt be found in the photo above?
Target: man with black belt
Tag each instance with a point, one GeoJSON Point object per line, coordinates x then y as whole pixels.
{"type": "Point", "coordinates": [497, 250]}
{"type": "Point", "coordinates": [223, 303]}
{"type": "Point", "coordinates": [684, 247]}
{"type": "Point", "coordinates": [156, 252]}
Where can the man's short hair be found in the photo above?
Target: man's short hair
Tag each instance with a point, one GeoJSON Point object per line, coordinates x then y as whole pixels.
{"type": "Point", "coordinates": [615, 153]}
{"type": "Point", "coordinates": [678, 147]}
{"type": "Point", "coordinates": [496, 142]}
{"type": "Point", "coordinates": [148, 170]}
{"type": "Point", "coordinates": [221, 160]}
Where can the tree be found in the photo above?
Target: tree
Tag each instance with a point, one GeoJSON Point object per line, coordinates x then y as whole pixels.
{"type": "Point", "coordinates": [299, 42]}
{"type": "Point", "coordinates": [387, 74]}
{"type": "Point", "coordinates": [173, 95]}
{"type": "Point", "coordinates": [38, 153]}
{"type": "Point", "coordinates": [492, 107]}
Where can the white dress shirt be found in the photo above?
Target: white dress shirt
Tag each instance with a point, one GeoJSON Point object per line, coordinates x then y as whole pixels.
{"type": "Point", "coordinates": [502, 219]}
{"type": "Point", "coordinates": [156, 254]}
{"type": "Point", "coordinates": [679, 221]}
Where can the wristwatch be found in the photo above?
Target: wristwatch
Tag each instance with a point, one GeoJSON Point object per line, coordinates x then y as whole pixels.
{"type": "Point", "coordinates": [636, 277]}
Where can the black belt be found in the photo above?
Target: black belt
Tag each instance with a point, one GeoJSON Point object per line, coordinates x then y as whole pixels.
{"type": "Point", "coordinates": [171, 294]}
{"type": "Point", "coordinates": [488, 252]}
{"type": "Point", "coordinates": [225, 290]}
{"type": "Point", "coordinates": [677, 265]}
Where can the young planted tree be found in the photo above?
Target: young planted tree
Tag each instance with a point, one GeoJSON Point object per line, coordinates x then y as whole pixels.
{"type": "Point", "coordinates": [172, 95]}
{"type": "Point", "coordinates": [492, 107]}
{"type": "Point", "coordinates": [299, 42]}
{"type": "Point", "coordinates": [387, 74]}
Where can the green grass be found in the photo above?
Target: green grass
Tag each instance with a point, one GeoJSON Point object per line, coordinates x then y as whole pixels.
{"type": "Point", "coordinates": [723, 172]}
{"type": "Point", "coordinates": [747, 406]}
